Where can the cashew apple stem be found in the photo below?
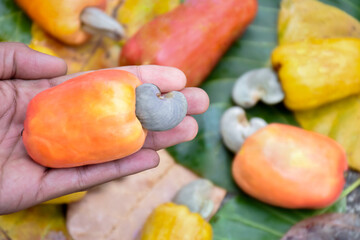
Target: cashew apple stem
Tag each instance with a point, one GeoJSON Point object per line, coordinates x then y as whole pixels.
{"type": "Point", "coordinates": [158, 112]}
{"type": "Point", "coordinates": [95, 21]}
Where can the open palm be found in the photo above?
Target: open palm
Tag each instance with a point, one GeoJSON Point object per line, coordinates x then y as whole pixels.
{"type": "Point", "coordinates": [24, 183]}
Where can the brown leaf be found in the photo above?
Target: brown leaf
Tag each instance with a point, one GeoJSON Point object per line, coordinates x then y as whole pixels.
{"type": "Point", "coordinates": [335, 226]}
{"type": "Point", "coordinates": [118, 210]}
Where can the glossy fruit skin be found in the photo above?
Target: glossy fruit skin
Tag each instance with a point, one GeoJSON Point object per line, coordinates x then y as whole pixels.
{"type": "Point", "coordinates": [61, 19]}
{"type": "Point", "coordinates": [318, 71]}
{"type": "Point", "coordinates": [290, 167]}
{"type": "Point", "coordinates": [192, 37]}
{"type": "Point", "coordinates": [86, 120]}
{"type": "Point", "coordinates": [170, 221]}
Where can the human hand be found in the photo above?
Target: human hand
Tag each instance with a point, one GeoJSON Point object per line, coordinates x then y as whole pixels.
{"type": "Point", "coordinates": [23, 182]}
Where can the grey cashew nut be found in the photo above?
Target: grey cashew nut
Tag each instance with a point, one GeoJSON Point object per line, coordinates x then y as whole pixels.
{"type": "Point", "coordinates": [197, 197]}
{"type": "Point", "coordinates": [259, 84]}
{"type": "Point", "coordinates": [235, 128]}
{"type": "Point", "coordinates": [95, 21]}
{"type": "Point", "coordinates": [158, 112]}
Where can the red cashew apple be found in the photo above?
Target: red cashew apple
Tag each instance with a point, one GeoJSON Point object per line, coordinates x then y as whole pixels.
{"type": "Point", "coordinates": [192, 37]}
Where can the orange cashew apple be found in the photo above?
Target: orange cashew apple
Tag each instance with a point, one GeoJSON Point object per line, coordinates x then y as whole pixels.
{"type": "Point", "coordinates": [287, 166]}
{"type": "Point", "coordinates": [97, 117]}
{"type": "Point", "coordinates": [71, 21]}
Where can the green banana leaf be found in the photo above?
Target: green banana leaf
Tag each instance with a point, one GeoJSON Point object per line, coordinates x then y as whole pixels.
{"type": "Point", "coordinates": [243, 218]}
{"type": "Point", "coordinates": [15, 25]}
{"type": "Point", "coordinates": [206, 155]}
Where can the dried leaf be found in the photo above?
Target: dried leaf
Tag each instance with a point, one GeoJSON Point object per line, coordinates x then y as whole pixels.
{"type": "Point", "coordinates": [335, 226]}
{"type": "Point", "coordinates": [118, 210]}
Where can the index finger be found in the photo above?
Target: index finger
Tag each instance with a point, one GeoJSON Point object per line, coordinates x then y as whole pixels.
{"type": "Point", "coordinates": [18, 61]}
{"type": "Point", "coordinates": [166, 78]}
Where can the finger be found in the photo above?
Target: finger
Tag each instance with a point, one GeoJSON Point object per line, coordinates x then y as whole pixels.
{"type": "Point", "coordinates": [185, 131]}
{"type": "Point", "coordinates": [198, 100]}
{"type": "Point", "coordinates": [59, 182]}
{"type": "Point", "coordinates": [166, 78]}
{"type": "Point", "coordinates": [19, 61]}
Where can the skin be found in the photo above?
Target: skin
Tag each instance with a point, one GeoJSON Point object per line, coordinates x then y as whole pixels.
{"type": "Point", "coordinates": [24, 183]}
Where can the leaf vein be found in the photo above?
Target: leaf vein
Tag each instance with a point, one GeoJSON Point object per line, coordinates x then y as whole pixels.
{"type": "Point", "coordinates": [241, 59]}
{"type": "Point", "coordinates": [255, 225]}
{"type": "Point", "coordinates": [266, 8]}
{"type": "Point", "coordinates": [263, 28]}
{"type": "Point", "coordinates": [265, 43]}
{"type": "Point", "coordinates": [9, 15]}
{"type": "Point", "coordinates": [278, 214]}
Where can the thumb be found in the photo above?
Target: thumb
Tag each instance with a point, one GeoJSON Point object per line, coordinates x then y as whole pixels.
{"type": "Point", "coordinates": [17, 61]}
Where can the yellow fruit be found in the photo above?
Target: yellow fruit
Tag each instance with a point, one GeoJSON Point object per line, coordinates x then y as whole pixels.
{"type": "Point", "coordinates": [175, 222]}
{"type": "Point", "coordinates": [135, 13]}
{"type": "Point", "coordinates": [318, 71]}
{"type": "Point", "coordinates": [300, 20]}
{"type": "Point", "coordinates": [42, 49]}
{"type": "Point", "coordinates": [73, 197]}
